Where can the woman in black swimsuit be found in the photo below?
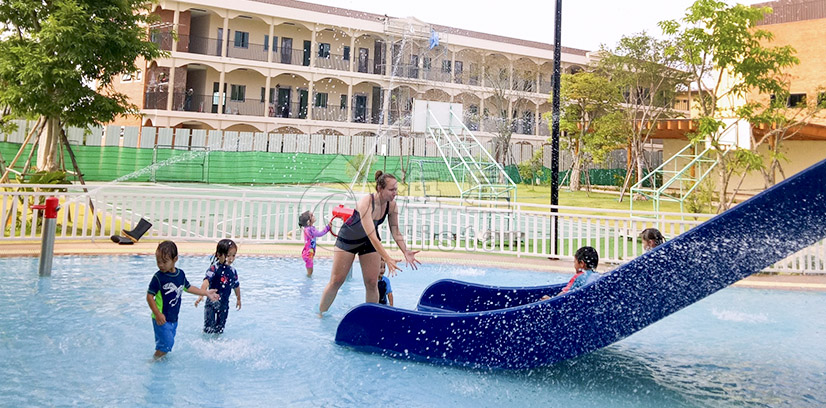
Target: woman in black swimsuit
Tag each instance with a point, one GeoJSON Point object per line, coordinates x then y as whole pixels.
{"type": "Point", "coordinates": [360, 236]}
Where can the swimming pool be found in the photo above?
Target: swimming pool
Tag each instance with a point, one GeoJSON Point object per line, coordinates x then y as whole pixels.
{"type": "Point", "coordinates": [84, 337]}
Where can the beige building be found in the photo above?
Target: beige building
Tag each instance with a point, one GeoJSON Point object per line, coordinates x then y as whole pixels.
{"type": "Point", "coordinates": [798, 23]}
{"type": "Point", "coordinates": [286, 66]}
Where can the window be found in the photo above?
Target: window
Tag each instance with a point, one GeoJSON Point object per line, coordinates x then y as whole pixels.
{"type": "Point", "coordinates": [263, 94]}
{"type": "Point", "coordinates": [138, 75]}
{"type": "Point", "coordinates": [242, 39]}
{"type": "Point", "coordinates": [275, 43]}
{"type": "Point", "coordinates": [796, 100]}
{"type": "Point", "coordinates": [238, 93]}
{"type": "Point", "coordinates": [266, 42]}
{"type": "Point", "coordinates": [343, 102]}
{"type": "Point", "coordinates": [346, 56]}
{"type": "Point", "coordinates": [126, 77]}
{"type": "Point", "coordinates": [446, 66]}
{"type": "Point", "coordinates": [320, 100]}
{"type": "Point", "coordinates": [324, 50]}
{"type": "Point", "coordinates": [821, 99]}
{"type": "Point", "coordinates": [426, 63]}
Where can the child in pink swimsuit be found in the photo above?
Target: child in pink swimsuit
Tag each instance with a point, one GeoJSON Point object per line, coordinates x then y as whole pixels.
{"type": "Point", "coordinates": [306, 221]}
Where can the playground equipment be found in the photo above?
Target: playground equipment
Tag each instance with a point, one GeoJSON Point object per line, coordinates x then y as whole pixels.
{"type": "Point", "coordinates": [682, 173]}
{"type": "Point", "coordinates": [469, 165]}
{"type": "Point", "coordinates": [509, 327]}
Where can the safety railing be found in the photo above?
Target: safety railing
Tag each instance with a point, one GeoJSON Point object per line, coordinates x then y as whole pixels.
{"type": "Point", "coordinates": [266, 216]}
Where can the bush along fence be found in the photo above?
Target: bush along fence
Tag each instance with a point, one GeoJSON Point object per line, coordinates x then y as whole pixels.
{"type": "Point", "coordinates": [269, 216]}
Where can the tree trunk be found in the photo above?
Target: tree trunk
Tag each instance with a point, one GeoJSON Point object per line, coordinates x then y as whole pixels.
{"type": "Point", "coordinates": [576, 167]}
{"type": "Point", "coordinates": [47, 146]}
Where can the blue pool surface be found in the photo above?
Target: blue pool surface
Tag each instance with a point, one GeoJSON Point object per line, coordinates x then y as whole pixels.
{"type": "Point", "coordinates": [83, 337]}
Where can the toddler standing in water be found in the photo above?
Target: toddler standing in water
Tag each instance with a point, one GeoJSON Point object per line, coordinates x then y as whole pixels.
{"type": "Point", "coordinates": [385, 291]}
{"type": "Point", "coordinates": [164, 296]}
{"type": "Point", "coordinates": [220, 276]}
{"type": "Point", "coordinates": [306, 221]}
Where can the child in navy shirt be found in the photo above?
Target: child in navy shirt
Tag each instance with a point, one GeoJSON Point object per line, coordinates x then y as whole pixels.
{"type": "Point", "coordinates": [385, 291]}
{"type": "Point", "coordinates": [222, 277]}
{"type": "Point", "coordinates": [164, 296]}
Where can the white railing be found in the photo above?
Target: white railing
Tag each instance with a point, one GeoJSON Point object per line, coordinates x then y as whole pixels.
{"type": "Point", "coordinates": [271, 216]}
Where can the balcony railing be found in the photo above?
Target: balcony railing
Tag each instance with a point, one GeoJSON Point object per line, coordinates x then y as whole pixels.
{"type": "Point", "coordinates": [254, 52]}
{"type": "Point", "coordinates": [202, 45]}
{"type": "Point", "coordinates": [292, 56]}
{"type": "Point", "coordinates": [405, 71]}
{"type": "Point", "coordinates": [436, 75]}
{"type": "Point", "coordinates": [472, 121]}
{"type": "Point", "coordinates": [330, 113]}
{"type": "Point", "coordinates": [249, 107]}
{"type": "Point", "coordinates": [522, 126]}
{"type": "Point", "coordinates": [367, 66]}
{"type": "Point", "coordinates": [293, 110]}
{"type": "Point", "coordinates": [155, 100]}
{"type": "Point", "coordinates": [333, 61]}
{"type": "Point", "coordinates": [542, 128]}
{"type": "Point", "coordinates": [524, 85]}
{"type": "Point", "coordinates": [193, 103]}
{"type": "Point", "coordinates": [162, 39]}
{"type": "Point", "coordinates": [545, 86]}
{"type": "Point", "coordinates": [466, 78]}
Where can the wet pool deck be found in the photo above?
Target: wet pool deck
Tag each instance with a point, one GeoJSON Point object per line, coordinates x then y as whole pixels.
{"type": "Point", "coordinates": [767, 281]}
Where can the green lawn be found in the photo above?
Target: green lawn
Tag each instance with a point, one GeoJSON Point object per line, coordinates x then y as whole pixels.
{"type": "Point", "coordinates": [541, 195]}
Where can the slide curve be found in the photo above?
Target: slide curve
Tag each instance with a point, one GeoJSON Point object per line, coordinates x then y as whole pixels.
{"type": "Point", "coordinates": [508, 327]}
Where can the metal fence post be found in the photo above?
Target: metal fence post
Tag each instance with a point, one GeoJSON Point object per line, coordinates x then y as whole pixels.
{"type": "Point", "coordinates": [48, 235]}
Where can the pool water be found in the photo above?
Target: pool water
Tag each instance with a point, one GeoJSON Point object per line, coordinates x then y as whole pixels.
{"type": "Point", "coordinates": [84, 337]}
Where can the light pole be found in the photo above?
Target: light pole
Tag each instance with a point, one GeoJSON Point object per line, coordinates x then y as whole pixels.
{"type": "Point", "coordinates": [555, 126]}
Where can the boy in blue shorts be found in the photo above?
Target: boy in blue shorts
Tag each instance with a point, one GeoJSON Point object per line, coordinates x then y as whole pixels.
{"type": "Point", "coordinates": [164, 296]}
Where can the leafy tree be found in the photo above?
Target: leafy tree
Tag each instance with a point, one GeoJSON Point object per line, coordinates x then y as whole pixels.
{"type": "Point", "coordinates": [647, 73]}
{"type": "Point", "coordinates": [58, 59]}
{"type": "Point", "coordinates": [726, 56]}
{"type": "Point", "coordinates": [532, 169]}
{"type": "Point", "coordinates": [591, 121]}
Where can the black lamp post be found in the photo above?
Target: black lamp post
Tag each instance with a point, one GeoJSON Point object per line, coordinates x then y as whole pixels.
{"type": "Point", "coordinates": [555, 125]}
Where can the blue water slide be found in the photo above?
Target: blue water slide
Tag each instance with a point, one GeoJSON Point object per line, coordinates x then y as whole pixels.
{"type": "Point", "coordinates": [482, 326]}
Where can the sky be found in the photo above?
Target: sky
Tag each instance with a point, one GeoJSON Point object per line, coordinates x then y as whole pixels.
{"type": "Point", "coordinates": [586, 24]}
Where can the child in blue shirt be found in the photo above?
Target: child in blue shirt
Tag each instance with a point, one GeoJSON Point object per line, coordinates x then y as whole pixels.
{"type": "Point", "coordinates": [385, 291]}
{"type": "Point", "coordinates": [222, 277]}
{"type": "Point", "coordinates": [164, 296]}
{"type": "Point", "coordinates": [586, 260]}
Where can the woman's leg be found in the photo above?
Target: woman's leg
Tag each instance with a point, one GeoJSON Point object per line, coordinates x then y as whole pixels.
{"type": "Point", "coordinates": [342, 261]}
{"type": "Point", "coordinates": [370, 264]}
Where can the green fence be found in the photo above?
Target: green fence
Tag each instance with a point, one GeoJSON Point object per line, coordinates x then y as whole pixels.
{"type": "Point", "coordinates": [108, 163]}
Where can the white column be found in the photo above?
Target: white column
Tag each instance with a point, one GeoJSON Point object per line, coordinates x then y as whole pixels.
{"type": "Point", "coordinates": [349, 103]}
{"type": "Point", "coordinates": [271, 48]}
{"type": "Point", "coordinates": [175, 20]}
{"type": "Point", "coordinates": [484, 69]}
{"type": "Point", "coordinates": [353, 53]}
{"type": "Point", "coordinates": [310, 99]}
{"type": "Point", "coordinates": [510, 75]}
{"type": "Point", "coordinates": [452, 67]}
{"type": "Point", "coordinates": [313, 47]}
{"type": "Point", "coordinates": [171, 86]}
{"type": "Point", "coordinates": [482, 112]}
{"type": "Point", "coordinates": [268, 102]}
{"type": "Point", "coordinates": [536, 119]}
{"type": "Point", "coordinates": [226, 37]}
{"type": "Point", "coordinates": [221, 95]}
